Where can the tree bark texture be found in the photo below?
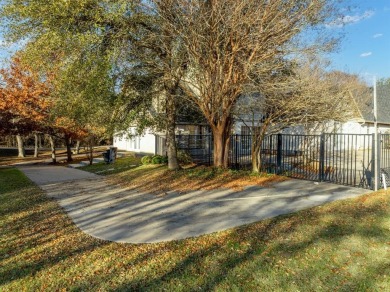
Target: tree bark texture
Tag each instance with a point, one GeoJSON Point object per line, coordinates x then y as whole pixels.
{"type": "Point", "coordinates": [68, 141]}
{"type": "Point", "coordinates": [21, 152]}
{"type": "Point", "coordinates": [53, 149]}
{"type": "Point", "coordinates": [171, 139]}
{"type": "Point", "coordinates": [36, 145]}
{"type": "Point", "coordinates": [77, 150]}
{"type": "Point", "coordinates": [256, 158]}
{"type": "Point", "coordinates": [90, 143]}
{"type": "Point", "coordinates": [90, 154]}
{"type": "Point", "coordinates": [258, 135]}
{"type": "Point", "coordinates": [221, 135]}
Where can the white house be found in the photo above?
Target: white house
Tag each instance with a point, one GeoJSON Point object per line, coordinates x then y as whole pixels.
{"type": "Point", "coordinates": [149, 142]}
{"type": "Point", "coordinates": [363, 123]}
{"type": "Point", "coordinates": [139, 144]}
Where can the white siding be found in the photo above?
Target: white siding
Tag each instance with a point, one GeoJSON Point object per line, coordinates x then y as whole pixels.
{"type": "Point", "coordinates": [141, 144]}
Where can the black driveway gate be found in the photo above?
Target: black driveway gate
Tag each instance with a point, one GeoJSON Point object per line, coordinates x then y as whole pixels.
{"type": "Point", "coordinates": [346, 159]}
{"type": "Point", "coordinates": [338, 158]}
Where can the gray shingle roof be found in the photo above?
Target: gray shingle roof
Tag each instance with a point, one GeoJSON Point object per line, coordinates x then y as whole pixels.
{"type": "Point", "coordinates": [366, 105]}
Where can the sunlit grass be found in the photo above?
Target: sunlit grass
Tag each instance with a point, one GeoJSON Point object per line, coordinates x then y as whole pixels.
{"type": "Point", "coordinates": [342, 246]}
{"type": "Point", "coordinates": [120, 165]}
{"type": "Point", "coordinates": [158, 179]}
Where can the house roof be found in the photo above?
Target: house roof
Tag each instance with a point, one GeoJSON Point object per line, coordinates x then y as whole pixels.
{"type": "Point", "coordinates": [366, 105]}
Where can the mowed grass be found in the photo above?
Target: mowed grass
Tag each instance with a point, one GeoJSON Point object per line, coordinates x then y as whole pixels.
{"type": "Point", "coordinates": [120, 165]}
{"type": "Point", "coordinates": [158, 179]}
{"type": "Point", "coordinates": [342, 246]}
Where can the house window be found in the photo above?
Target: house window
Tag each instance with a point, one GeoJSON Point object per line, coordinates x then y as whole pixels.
{"type": "Point", "coordinates": [245, 130]}
{"type": "Point", "coordinates": [135, 142]}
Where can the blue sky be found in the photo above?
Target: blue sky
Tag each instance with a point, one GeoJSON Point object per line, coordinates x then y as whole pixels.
{"type": "Point", "coordinates": [365, 48]}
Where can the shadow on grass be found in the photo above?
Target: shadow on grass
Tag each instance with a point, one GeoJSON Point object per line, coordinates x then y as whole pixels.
{"type": "Point", "coordinates": [119, 166]}
{"type": "Point", "coordinates": [275, 250]}
{"type": "Point", "coordinates": [340, 246]}
{"type": "Point", "coordinates": [159, 180]}
{"type": "Point", "coordinates": [36, 234]}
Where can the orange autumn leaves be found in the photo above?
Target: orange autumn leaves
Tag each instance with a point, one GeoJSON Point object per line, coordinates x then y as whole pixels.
{"type": "Point", "coordinates": [23, 96]}
{"type": "Point", "coordinates": [26, 102]}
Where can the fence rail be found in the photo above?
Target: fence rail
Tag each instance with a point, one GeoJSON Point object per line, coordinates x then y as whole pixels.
{"type": "Point", "coordinates": [345, 159]}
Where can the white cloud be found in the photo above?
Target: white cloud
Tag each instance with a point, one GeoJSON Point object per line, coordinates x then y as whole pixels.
{"type": "Point", "coordinates": [350, 19]}
{"type": "Point", "coordinates": [377, 35]}
{"type": "Point", "coordinates": [363, 55]}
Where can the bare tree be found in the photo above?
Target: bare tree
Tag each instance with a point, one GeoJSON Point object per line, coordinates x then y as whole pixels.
{"type": "Point", "coordinates": [228, 42]}
{"type": "Point", "coordinates": [306, 95]}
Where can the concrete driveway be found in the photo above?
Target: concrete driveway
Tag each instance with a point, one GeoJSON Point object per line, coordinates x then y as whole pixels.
{"type": "Point", "coordinates": [110, 212]}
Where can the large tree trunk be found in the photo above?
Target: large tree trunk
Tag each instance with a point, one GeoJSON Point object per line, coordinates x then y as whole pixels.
{"type": "Point", "coordinates": [90, 153]}
{"type": "Point", "coordinates": [19, 141]}
{"type": "Point", "coordinates": [256, 159]}
{"type": "Point", "coordinates": [220, 151]}
{"type": "Point", "coordinates": [36, 145]}
{"type": "Point", "coordinates": [90, 141]}
{"type": "Point", "coordinates": [258, 136]}
{"type": "Point", "coordinates": [53, 150]}
{"type": "Point", "coordinates": [68, 141]}
{"type": "Point", "coordinates": [77, 150]}
{"type": "Point", "coordinates": [173, 164]}
{"type": "Point", "coordinates": [221, 135]}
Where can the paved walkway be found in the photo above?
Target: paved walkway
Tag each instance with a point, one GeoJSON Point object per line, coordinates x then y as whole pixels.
{"type": "Point", "coordinates": [113, 213]}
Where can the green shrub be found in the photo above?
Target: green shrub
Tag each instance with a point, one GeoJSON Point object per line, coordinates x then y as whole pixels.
{"type": "Point", "coordinates": [146, 160]}
{"type": "Point", "coordinates": [183, 157]}
{"type": "Point", "coordinates": [158, 159]}
{"type": "Point", "coordinates": [164, 160]}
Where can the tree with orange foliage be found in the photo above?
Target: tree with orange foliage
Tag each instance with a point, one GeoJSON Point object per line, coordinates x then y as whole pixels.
{"type": "Point", "coordinates": [28, 104]}
{"type": "Point", "coordinates": [24, 101]}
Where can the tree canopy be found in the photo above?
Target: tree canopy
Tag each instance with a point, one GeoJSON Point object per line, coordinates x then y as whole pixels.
{"type": "Point", "coordinates": [232, 47]}
{"type": "Point", "coordinates": [24, 99]}
{"type": "Point", "coordinates": [115, 61]}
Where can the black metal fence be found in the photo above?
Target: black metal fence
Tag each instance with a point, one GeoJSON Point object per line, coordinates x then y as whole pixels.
{"type": "Point", "coordinates": [199, 147]}
{"type": "Point", "coordinates": [345, 159]}
{"type": "Point", "coordinates": [338, 158]}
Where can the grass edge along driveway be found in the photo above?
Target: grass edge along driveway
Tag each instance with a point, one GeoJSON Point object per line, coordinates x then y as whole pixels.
{"type": "Point", "coordinates": [344, 245]}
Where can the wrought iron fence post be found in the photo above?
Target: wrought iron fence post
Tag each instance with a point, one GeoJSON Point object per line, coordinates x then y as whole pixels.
{"type": "Point", "coordinates": [322, 158]}
{"type": "Point", "coordinates": [209, 140]}
{"type": "Point", "coordinates": [375, 167]}
{"type": "Point", "coordinates": [236, 151]}
{"type": "Point", "coordinates": [279, 154]}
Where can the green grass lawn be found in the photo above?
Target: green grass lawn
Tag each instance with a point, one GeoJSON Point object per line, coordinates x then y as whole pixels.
{"type": "Point", "coordinates": [158, 179]}
{"type": "Point", "coordinates": [120, 165]}
{"type": "Point", "coordinates": [342, 246]}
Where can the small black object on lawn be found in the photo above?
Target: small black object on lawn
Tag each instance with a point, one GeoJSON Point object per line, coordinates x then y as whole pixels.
{"type": "Point", "coordinates": [110, 155]}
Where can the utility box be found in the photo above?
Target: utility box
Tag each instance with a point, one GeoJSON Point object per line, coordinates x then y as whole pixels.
{"type": "Point", "coordinates": [110, 155]}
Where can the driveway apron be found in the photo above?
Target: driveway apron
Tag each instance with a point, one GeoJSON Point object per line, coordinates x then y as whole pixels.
{"type": "Point", "coordinates": [115, 213]}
